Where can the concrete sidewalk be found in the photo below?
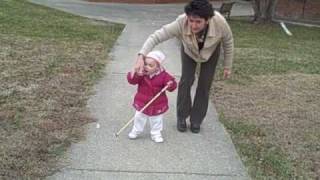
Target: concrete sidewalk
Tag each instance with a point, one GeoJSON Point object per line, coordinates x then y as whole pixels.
{"type": "Point", "coordinates": [187, 156]}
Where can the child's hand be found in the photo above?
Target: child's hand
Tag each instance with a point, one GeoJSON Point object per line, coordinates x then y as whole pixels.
{"type": "Point", "coordinates": [132, 72]}
{"type": "Point", "coordinates": [171, 85]}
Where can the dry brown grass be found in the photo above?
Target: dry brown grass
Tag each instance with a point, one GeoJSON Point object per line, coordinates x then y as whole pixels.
{"type": "Point", "coordinates": [285, 108]}
{"type": "Point", "coordinates": [44, 87]}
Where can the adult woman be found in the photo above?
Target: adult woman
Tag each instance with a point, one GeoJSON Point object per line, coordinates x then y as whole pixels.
{"type": "Point", "coordinates": [202, 31]}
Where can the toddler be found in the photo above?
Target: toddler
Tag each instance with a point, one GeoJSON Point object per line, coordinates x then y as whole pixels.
{"type": "Point", "coordinates": [153, 80]}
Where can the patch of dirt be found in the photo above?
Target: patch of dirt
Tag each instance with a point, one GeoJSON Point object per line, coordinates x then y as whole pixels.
{"type": "Point", "coordinates": [286, 107]}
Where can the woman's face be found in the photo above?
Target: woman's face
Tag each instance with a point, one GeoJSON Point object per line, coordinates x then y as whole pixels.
{"type": "Point", "coordinates": [150, 66]}
{"type": "Point", "coordinates": [197, 23]}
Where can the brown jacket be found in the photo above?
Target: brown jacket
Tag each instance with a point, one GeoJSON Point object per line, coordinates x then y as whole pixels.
{"type": "Point", "coordinates": [219, 31]}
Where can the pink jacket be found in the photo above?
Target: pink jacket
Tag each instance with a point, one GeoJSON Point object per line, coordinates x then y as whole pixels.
{"type": "Point", "coordinates": [150, 87]}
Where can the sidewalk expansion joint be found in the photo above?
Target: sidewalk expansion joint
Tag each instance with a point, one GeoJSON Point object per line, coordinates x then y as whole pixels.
{"type": "Point", "coordinates": [155, 172]}
{"type": "Point", "coordinates": [119, 73]}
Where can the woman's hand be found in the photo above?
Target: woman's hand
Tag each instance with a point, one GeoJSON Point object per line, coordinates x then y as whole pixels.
{"type": "Point", "coordinates": [138, 67]}
{"type": "Point", "coordinates": [226, 73]}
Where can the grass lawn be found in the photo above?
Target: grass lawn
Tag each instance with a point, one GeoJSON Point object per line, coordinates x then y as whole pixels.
{"type": "Point", "coordinates": [49, 61]}
{"type": "Point", "coordinates": [271, 104]}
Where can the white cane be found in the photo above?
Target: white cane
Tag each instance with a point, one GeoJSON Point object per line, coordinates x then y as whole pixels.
{"type": "Point", "coordinates": [132, 119]}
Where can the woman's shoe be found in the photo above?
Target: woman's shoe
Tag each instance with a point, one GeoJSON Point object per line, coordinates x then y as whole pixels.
{"type": "Point", "coordinates": [195, 128]}
{"type": "Point", "coordinates": [181, 125]}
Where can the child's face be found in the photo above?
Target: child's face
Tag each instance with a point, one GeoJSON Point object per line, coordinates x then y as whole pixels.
{"type": "Point", "coordinates": [150, 66]}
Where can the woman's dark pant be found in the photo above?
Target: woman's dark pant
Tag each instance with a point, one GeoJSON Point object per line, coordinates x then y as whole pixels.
{"type": "Point", "coordinates": [198, 110]}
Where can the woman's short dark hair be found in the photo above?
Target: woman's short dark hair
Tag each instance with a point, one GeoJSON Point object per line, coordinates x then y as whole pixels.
{"type": "Point", "coordinates": [201, 8]}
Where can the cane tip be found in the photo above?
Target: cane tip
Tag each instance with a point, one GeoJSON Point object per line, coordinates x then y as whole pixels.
{"type": "Point", "coordinates": [116, 135]}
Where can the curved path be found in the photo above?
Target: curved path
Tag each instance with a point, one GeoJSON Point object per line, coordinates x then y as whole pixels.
{"type": "Point", "coordinates": [185, 156]}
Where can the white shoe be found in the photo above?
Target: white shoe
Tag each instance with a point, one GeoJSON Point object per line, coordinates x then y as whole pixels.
{"type": "Point", "coordinates": [157, 138]}
{"type": "Point", "coordinates": [133, 135]}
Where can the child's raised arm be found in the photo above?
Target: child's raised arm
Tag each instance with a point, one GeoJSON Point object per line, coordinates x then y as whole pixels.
{"type": "Point", "coordinates": [135, 79]}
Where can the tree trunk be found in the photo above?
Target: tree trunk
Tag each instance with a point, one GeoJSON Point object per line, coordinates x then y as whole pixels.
{"type": "Point", "coordinates": [262, 10]}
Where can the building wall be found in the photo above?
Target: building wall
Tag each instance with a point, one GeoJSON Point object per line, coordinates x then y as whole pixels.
{"type": "Point", "coordinates": [298, 10]}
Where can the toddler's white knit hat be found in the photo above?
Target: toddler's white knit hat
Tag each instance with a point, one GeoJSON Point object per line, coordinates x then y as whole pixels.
{"type": "Point", "coordinates": [157, 55]}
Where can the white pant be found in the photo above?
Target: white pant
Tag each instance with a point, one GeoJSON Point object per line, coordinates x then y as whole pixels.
{"type": "Point", "coordinates": [140, 120]}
